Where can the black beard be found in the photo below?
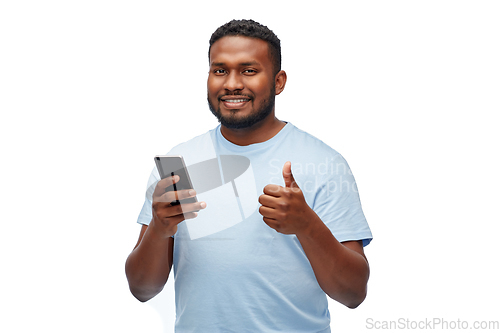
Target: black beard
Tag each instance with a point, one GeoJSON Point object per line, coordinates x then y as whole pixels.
{"type": "Point", "coordinates": [232, 122]}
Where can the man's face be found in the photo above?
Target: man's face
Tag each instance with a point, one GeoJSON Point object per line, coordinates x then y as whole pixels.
{"type": "Point", "coordinates": [241, 86]}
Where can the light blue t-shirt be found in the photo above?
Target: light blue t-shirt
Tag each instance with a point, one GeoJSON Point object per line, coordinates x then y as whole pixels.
{"type": "Point", "coordinates": [233, 273]}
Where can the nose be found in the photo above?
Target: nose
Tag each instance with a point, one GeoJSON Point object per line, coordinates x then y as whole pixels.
{"type": "Point", "coordinates": [233, 81]}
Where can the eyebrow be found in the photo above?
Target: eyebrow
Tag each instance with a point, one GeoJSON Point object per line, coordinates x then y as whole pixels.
{"type": "Point", "coordinates": [251, 63]}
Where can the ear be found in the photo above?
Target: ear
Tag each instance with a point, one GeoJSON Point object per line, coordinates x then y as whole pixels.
{"type": "Point", "coordinates": [280, 81]}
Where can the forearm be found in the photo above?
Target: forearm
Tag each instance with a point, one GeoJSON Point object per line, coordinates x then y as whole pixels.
{"type": "Point", "coordinates": [342, 273]}
{"type": "Point", "coordinates": [148, 266]}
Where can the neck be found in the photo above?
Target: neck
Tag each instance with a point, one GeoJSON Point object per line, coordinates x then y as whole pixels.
{"type": "Point", "coordinates": [257, 133]}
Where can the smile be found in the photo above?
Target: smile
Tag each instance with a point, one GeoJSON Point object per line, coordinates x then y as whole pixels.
{"type": "Point", "coordinates": [236, 100]}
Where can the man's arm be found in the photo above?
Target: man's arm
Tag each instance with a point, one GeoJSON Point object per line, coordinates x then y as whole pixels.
{"type": "Point", "coordinates": [148, 266]}
{"type": "Point", "coordinates": [341, 269]}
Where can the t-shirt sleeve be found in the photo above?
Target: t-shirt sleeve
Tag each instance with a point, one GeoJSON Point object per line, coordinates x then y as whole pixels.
{"type": "Point", "coordinates": [146, 215]}
{"type": "Point", "coordinates": [338, 205]}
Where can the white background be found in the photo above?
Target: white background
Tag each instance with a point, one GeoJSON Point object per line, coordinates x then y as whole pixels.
{"type": "Point", "coordinates": [90, 91]}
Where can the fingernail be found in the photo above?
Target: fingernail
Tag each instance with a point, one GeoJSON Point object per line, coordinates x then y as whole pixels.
{"type": "Point", "coordinates": [192, 192]}
{"type": "Point", "coordinates": [203, 205]}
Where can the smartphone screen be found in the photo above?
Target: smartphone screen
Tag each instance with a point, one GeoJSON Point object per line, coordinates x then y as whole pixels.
{"type": "Point", "coordinates": [171, 165]}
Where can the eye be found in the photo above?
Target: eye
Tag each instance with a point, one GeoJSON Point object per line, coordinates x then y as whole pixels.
{"type": "Point", "coordinates": [219, 71]}
{"type": "Point", "coordinates": [250, 71]}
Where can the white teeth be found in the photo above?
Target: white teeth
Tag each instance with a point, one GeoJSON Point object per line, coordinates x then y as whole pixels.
{"type": "Point", "coordinates": [235, 100]}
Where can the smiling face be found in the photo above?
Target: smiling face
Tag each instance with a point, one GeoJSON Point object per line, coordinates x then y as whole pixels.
{"type": "Point", "coordinates": [241, 84]}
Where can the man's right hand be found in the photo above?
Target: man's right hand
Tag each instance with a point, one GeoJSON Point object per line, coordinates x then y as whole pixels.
{"type": "Point", "coordinates": [166, 216]}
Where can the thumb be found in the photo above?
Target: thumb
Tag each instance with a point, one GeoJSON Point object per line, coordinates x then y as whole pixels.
{"type": "Point", "coordinates": [288, 177]}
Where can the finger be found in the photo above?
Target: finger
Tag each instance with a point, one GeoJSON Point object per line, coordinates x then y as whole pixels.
{"type": "Point", "coordinates": [273, 190]}
{"type": "Point", "coordinates": [268, 212]}
{"type": "Point", "coordinates": [171, 196]}
{"type": "Point", "coordinates": [179, 218]}
{"type": "Point", "coordinates": [271, 223]}
{"type": "Point", "coordinates": [191, 215]}
{"type": "Point", "coordinates": [191, 207]}
{"type": "Point", "coordinates": [176, 219]}
{"type": "Point", "coordinates": [288, 176]}
{"type": "Point", "coordinates": [164, 183]}
{"type": "Point", "coordinates": [164, 211]}
{"type": "Point", "coordinates": [268, 200]}
{"type": "Point", "coordinates": [182, 209]}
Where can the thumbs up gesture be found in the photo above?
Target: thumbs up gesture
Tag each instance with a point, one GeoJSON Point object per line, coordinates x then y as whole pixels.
{"type": "Point", "coordinates": [284, 208]}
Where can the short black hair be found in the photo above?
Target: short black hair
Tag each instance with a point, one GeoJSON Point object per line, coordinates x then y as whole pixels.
{"type": "Point", "coordinates": [250, 28]}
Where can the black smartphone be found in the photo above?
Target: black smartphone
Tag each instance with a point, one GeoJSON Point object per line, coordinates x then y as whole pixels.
{"type": "Point", "coordinates": [170, 165]}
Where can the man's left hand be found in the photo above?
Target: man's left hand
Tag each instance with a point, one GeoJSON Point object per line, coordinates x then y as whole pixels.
{"type": "Point", "coordinates": [284, 208]}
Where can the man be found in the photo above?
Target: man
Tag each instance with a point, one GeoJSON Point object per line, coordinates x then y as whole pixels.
{"type": "Point", "coordinates": [268, 269]}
